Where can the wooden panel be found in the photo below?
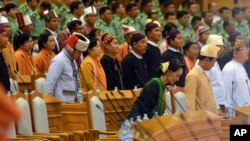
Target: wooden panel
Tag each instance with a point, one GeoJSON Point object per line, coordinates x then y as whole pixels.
{"type": "Point", "coordinates": [74, 116]}
{"type": "Point", "coordinates": [23, 82]}
{"type": "Point", "coordinates": [54, 112]}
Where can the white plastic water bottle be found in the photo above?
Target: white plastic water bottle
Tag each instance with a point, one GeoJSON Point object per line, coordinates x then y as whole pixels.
{"type": "Point", "coordinates": [156, 114]}
{"type": "Point", "coordinates": [166, 112]}
{"type": "Point", "coordinates": [135, 87]}
{"type": "Point", "coordinates": [138, 118]}
{"type": "Point", "coordinates": [125, 133]}
{"type": "Point", "coordinates": [25, 92]}
{"type": "Point", "coordinates": [145, 116]}
{"type": "Point", "coordinates": [79, 96]}
{"type": "Point", "coordinates": [98, 90]}
{"type": "Point", "coordinates": [116, 88]}
{"type": "Point", "coordinates": [9, 93]}
{"type": "Point", "coordinates": [131, 120]}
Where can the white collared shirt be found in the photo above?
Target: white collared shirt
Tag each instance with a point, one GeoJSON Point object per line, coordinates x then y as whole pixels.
{"type": "Point", "coordinates": [173, 49]}
{"type": "Point", "coordinates": [236, 83]}
{"type": "Point", "coordinates": [216, 78]}
{"type": "Point", "coordinates": [136, 55]}
{"type": "Point", "coordinates": [152, 43]}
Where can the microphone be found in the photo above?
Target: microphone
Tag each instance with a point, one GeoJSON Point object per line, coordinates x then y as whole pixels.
{"type": "Point", "coordinates": [232, 96]}
{"type": "Point", "coordinates": [111, 118]}
{"type": "Point", "coordinates": [176, 100]}
{"type": "Point", "coordinates": [98, 79]}
{"type": "Point", "coordinates": [9, 70]}
{"type": "Point", "coordinates": [26, 86]}
{"type": "Point", "coordinates": [248, 87]}
{"type": "Point", "coordinates": [31, 67]}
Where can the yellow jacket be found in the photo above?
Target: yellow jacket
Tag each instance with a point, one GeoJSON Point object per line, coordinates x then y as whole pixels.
{"type": "Point", "coordinates": [198, 90]}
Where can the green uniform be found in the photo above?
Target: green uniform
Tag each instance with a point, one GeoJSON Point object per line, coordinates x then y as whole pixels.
{"type": "Point", "coordinates": [116, 23]}
{"type": "Point", "coordinates": [219, 26]}
{"type": "Point", "coordinates": [243, 28]}
{"type": "Point", "coordinates": [134, 23]}
{"type": "Point", "coordinates": [143, 18]}
{"type": "Point", "coordinates": [187, 33]}
{"type": "Point", "coordinates": [104, 27]}
{"type": "Point", "coordinates": [25, 9]}
{"type": "Point", "coordinates": [38, 24]}
{"type": "Point", "coordinates": [67, 16]}
{"type": "Point", "coordinates": [60, 12]}
{"type": "Point", "coordinates": [225, 37]}
{"type": "Point", "coordinates": [212, 28]}
{"type": "Point", "coordinates": [13, 24]}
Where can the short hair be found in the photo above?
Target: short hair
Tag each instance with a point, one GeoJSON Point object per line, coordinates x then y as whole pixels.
{"type": "Point", "coordinates": [236, 1]}
{"type": "Point", "coordinates": [226, 24]}
{"type": "Point", "coordinates": [166, 3]}
{"type": "Point", "coordinates": [223, 9]}
{"type": "Point", "coordinates": [45, 5]}
{"type": "Point", "coordinates": [195, 19]}
{"type": "Point", "coordinates": [168, 14]}
{"type": "Point", "coordinates": [115, 6]}
{"type": "Point", "coordinates": [130, 6]}
{"type": "Point", "coordinates": [93, 32]}
{"type": "Point", "coordinates": [144, 3]}
{"type": "Point", "coordinates": [43, 38]}
{"type": "Point", "coordinates": [73, 24]}
{"type": "Point", "coordinates": [31, 0]}
{"type": "Point", "coordinates": [151, 13]}
{"type": "Point", "coordinates": [74, 5]}
{"type": "Point", "coordinates": [236, 11]}
{"type": "Point", "coordinates": [209, 5]}
{"type": "Point", "coordinates": [189, 4]}
{"type": "Point", "coordinates": [10, 6]}
{"type": "Point", "coordinates": [180, 14]}
{"type": "Point", "coordinates": [187, 46]}
{"type": "Point", "coordinates": [20, 39]}
{"type": "Point", "coordinates": [205, 13]}
{"type": "Point", "coordinates": [167, 28]}
{"type": "Point", "coordinates": [103, 10]}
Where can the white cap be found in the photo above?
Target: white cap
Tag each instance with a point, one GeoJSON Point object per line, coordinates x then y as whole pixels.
{"type": "Point", "coordinates": [215, 39]}
{"type": "Point", "coordinates": [27, 20]}
{"type": "Point", "coordinates": [74, 42]}
{"type": "Point", "coordinates": [89, 10]}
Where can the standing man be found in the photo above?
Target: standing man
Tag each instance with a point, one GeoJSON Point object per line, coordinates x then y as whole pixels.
{"type": "Point", "coordinates": [28, 7]}
{"type": "Point", "coordinates": [235, 76]}
{"type": "Point", "coordinates": [62, 78]}
{"type": "Point", "coordinates": [198, 89]}
{"type": "Point", "coordinates": [90, 16]}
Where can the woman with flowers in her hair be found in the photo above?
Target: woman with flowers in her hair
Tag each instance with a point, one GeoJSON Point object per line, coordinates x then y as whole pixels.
{"type": "Point", "coordinates": [151, 98]}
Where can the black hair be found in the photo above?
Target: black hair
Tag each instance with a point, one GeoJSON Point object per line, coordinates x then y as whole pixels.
{"type": "Point", "coordinates": [226, 24]}
{"type": "Point", "coordinates": [205, 13]}
{"type": "Point", "coordinates": [73, 24]}
{"type": "Point", "coordinates": [150, 14]}
{"type": "Point", "coordinates": [195, 19]}
{"type": "Point", "coordinates": [103, 10]}
{"type": "Point", "coordinates": [180, 14]}
{"type": "Point", "coordinates": [10, 6]}
{"type": "Point", "coordinates": [236, 1]}
{"type": "Point", "coordinates": [167, 28]}
{"type": "Point", "coordinates": [31, 0]}
{"type": "Point", "coordinates": [43, 38]}
{"type": "Point", "coordinates": [115, 6]}
{"type": "Point", "coordinates": [189, 4]}
{"type": "Point", "coordinates": [130, 6]}
{"type": "Point", "coordinates": [20, 40]}
{"type": "Point", "coordinates": [144, 3]}
{"type": "Point", "coordinates": [103, 36]}
{"type": "Point", "coordinates": [74, 5]}
{"type": "Point", "coordinates": [92, 44]}
{"type": "Point", "coordinates": [222, 9]}
{"type": "Point", "coordinates": [236, 11]}
{"type": "Point", "coordinates": [2, 9]}
{"type": "Point", "coordinates": [93, 32]}
{"type": "Point", "coordinates": [201, 58]}
{"type": "Point", "coordinates": [187, 46]}
{"type": "Point", "coordinates": [166, 3]}
{"type": "Point", "coordinates": [174, 65]}
{"type": "Point", "coordinates": [168, 14]}
{"type": "Point", "coordinates": [45, 5]}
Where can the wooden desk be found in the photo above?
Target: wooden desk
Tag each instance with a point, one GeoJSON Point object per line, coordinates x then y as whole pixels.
{"type": "Point", "coordinates": [54, 112]}
{"type": "Point", "coordinates": [26, 81]}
